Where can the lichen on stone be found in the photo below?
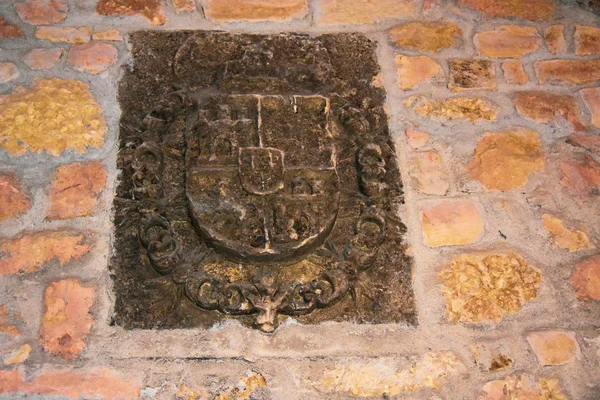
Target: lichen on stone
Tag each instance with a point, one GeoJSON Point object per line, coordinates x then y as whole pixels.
{"type": "Point", "coordinates": [487, 287]}
{"type": "Point", "coordinates": [472, 109]}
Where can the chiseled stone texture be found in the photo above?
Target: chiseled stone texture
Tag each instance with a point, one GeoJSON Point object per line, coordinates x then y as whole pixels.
{"type": "Point", "coordinates": [8, 72]}
{"type": "Point", "coordinates": [555, 39]}
{"type": "Point", "coordinates": [66, 34]}
{"type": "Point", "coordinates": [451, 222]}
{"type": "Point", "coordinates": [100, 383]}
{"type": "Point", "coordinates": [553, 347]}
{"type": "Point", "coordinates": [514, 73]}
{"type": "Point", "coordinates": [427, 36]}
{"type": "Point", "coordinates": [487, 287]}
{"type": "Point", "coordinates": [361, 11]}
{"type": "Point", "coordinates": [53, 115]}
{"type": "Point", "coordinates": [42, 58]}
{"type": "Point", "coordinates": [587, 40]}
{"type": "Point", "coordinates": [255, 10]}
{"type": "Point", "coordinates": [8, 30]}
{"type": "Point", "coordinates": [472, 109]}
{"type": "Point", "coordinates": [586, 279]}
{"type": "Point", "coordinates": [523, 387]}
{"type": "Point", "coordinates": [33, 251]}
{"type": "Point", "coordinates": [510, 41]}
{"type": "Point", "coordinates": [471, 74]}
{"type": "Point", "coordinates": [534, 10]}
{"type": "Point", "coordinates": [504, 160]}
{"type": "Point", "coordinates": [387, 377]}
{"type": "Point", "coordinates": [565, 238]}
{"type": "Point", "coordinates": [66, 321]}
{"type": "Point", "coordinates": [415, 70]}
{"type": "Point", "coordinates": [92, 57]}
{"type": "Point", "coordinates": [149, 9]}
{"type": "Point", "coordinates": [591, 97]}
{"type": "Point", "coordinates": [42, 12]}
{"type": "Point", "coordinates": [13, 198]}
{"type": "Point", "coordinates": [75, 189]}
{"type": "Point", "coordinates": [544, 107]}
{"type": "Point", "coordinates": [428, 173]}
{"type": "Point", "coordinates": [573, 72]}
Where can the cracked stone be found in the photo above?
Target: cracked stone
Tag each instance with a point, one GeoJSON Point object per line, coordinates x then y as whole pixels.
{"type": "Point", "coordinates": [66, 34]}
{"type": "Point", "coordinates": [573, 72]}
{"type": "Point", "coordinates": [470, 74]}
{"type": "Point", "coordinates": [565, 238]}
{"type": "Point", "coordinates": [544, 107]}
{"type": "Point", "coordinates": [451, 222]}
{"type": "Point", "coordinates": [555, 39]}
{"type": "Point", "coordinates": [415, 70]}
{"type": "Point", "coordinates": [8, 72]}
{"type": "Point", "coordinates": [587, 40]}
{"type": "Point", "coordinates": [427, 36]}
{"type": "Point", "coordinates": [472, 109]}
{"type": "Point", "coordinates": [8, 31]}
{"type": "Point", "coordinates": [553, 347]}
{"type": "Point", "coordinates": [42, 58]}
{"type": "Point", "coordinates": [586, 279]}
{"type": "Point", "coordinates": [42, 12]}
{"type": "Point", "coordinates": [510, 41]}
{"type": "Point", "coordinates": [252, 10]}
{"type": "Point", "coordinates": [535, 10]}
{"type": "Point", "coordinates": [13, 198]}
{"type": "Point", "coordinates": [149, 9]}
{"type": "Point", "coordinates": [514, 73]}
{"type": "Point", "coordinates": [92, 57]}
{"type": "Point", "coordinates": [362, 12]}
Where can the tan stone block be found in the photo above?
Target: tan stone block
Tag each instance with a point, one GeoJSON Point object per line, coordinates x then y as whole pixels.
{"type": "Point", "coordinates": [471, 74]}
{"type": "Point", "coordinates": [587, 40]}
{"type": "Point", "coordinates": [13, 199]}
{"type": "Point", "coordinates": [149, 9]}
{"type": "Point", "coordinates": [66, 34]}
{"type": "Point", "coordinates": [488, 286]}
{"type": "Point", "coordinates": [255, 10]}
{"type": "Point", "coordinates": [92, 57]}
{"type": "Point", "coordinates": [509, 41]}
{"type": "Point", "coordinates": [504, 160]}
{"type": "Point", "coordinates": [555, 39]}
{"type": "Point", "coordinates": [428, 173]}
{"type": "Point", "coordinates": [514, 73]}
{"type": "Point", "coordinates": [427, 36]}
{"type": "Point", "coordinates": [581, 178]}
{"type": "Point", "coordinates": [574, 72]}
{"type": "Point", "coordinates": [565, 238]}
{"type": "Point", "coordinates": [184, 5]}
{"type": "Point", "coordinates": [553, 347]}
{"type": "Point", "coordinates": [42, 12]}
{"type": "Point", "coordinates": [362, 11]}
{"type": "Point", "coordinates": [53, 115]}
{"type": "Point", "coordinates": [416, 139]}
{"type": "Point", "coordinates": [42, 58]}
{"type": "Point", "coordinates": [111, 35]}
{"type": "Point", "coordinates": [523, 387]}
{"type": "Point", "coordinates": [544, 107]}
{"type": "Point", "coordinates": [33, 251]}
{"type": "Point", "coordinates": [451, 222]}
{"type": "Point", "coordinates": [8, 72]}
{"type": "Point", "coordinates": [591, 97]}
{"type": "Point", "coordinates": [8, 31]}
{"type": "Point", "coordinates": [415, 70]}
{"type": "Point", "coordinates": [534, 10]}
{"type": "Point", "coordinates": [18, 356]}
{"type": "Point", "coordinates": [586, 279]}
{"type": "Point", "coordinates": [472, 109]}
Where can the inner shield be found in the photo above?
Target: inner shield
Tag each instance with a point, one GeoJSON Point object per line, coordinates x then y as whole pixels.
{"type": "Point", "coordinates": [259, 190]}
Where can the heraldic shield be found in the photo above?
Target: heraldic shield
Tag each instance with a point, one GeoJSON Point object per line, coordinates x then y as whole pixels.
{"type": "Point", "coordinates": [257, 189]}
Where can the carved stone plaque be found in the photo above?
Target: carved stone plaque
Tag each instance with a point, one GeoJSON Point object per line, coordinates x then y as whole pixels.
{"type": "Point", "coordinates": [258, 182]}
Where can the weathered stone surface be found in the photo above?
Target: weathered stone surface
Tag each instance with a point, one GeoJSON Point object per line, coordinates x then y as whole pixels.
{"type": "Point", "coordinates": [589, 142]}
{"type": "Point", "coordinates": [553, 347]}
{"type": "Point", "coordinates": [428, 173]}
{"type": "Point", "coordinates": [416, 139]}
{"type": "Point", "coordinates": [6, 322]}
{"type": "Point", "coordinates": [111, 35]}
{"type": "Point", "coordinates": [149, 9]}
{"type": "Point", "coordinates": [471, 74]}
{"type": "Point", "coordinates": [472, 109]}
{"type": "Point", "coordinates": [66, 34]}
{"type": "Point", "coordinates": [490, 356]}
{"type": "Point", "coordinates": [586, 279]}
{"type": "Point", "coordinates": [523, 387]}
{"type": "Point", "coordinates": [487, 287]}
{"type": "Point", "coordinates": [53, 115]}
{"type": "Point", "coordinates": [510, 41]}
{"type": "Point", "coordinates": [591, 97]}
{"type": "Point", "coordinates": [581, 178]}
{"type": "Point", "coordinates": [32, 251]}
{"type": "Point", "coordinates": [387, 377]}
{"type": "Point", "coordinates": [8, 72]}
{"type": "Point", "coordinates": [514, 72]}
{"type": "Point", "coordinates": [451, 222]}
{"type": "Point", "coordinates": [415, 70]}
{"type": "Point", "coordinates": [544, 107]}
{"type": "Point", "coordinates": [252, 10]}
{"type": "Point", "coordinates": [66, 321]}
{"type": "Point", "coordinates": [574, 72]}
{"type": "Point", "coordinates": [427, 36]}
{"type": "Point", "coordinates": [42, 12]}
{"type": "Point", "coordinates": [184, 5]}
{"type": "Point", "coordinates": [92, 57]}
{"type": "Point", "coordinates": [555, 39]}
{"type": "Point", "coordinates": [565, 238]}
{"type": "Point", "coordinates": [243, 390]}
{"type": "Point", "coordinates": [13, 199]}
{"type": "Point", "coordinates": [504, 160]}
{"type": "Point", "coordinates": [8, 30]}
{"type": "Point", "coordinates": [18, 356]}
{"type": "Point", "coordinates": [102, 383]}
{"type": "Point", "coordinates": [587, 40]}
{"type": "Point", "coordinates": [75, 189]}
{"type": "Point", "coordinates": [534, 10]}
{"type": "Point", "coordinates": [42, 58]}
{"type": "Point", "coordinates": [362, 12]}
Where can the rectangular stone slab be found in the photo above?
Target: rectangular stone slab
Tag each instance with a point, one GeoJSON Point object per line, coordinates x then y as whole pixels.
{"type": "Point", "coordinates": [258, 182]}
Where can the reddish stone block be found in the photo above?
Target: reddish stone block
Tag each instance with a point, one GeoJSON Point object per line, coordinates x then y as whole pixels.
{"type": "Point", "coordinates": [92, 57]}
{"type": "Point", "coordinates": [111, 35]}
{"type": "Point", "coordinates": [66, 34]}
{"type": "Point", "coordinates": [471, 74]}
{"type": "Point", "coordinates": [451, 222]}
{"type": "Point", "coordinates": [42, 12]}
{"type": "Point", "coordinates": [587, 40]}
{"type": "Point", "coordinates": [555, 39]}
{"type": "Point", "coordinates": [66, 321]}
{"type": "Point", "coordinates": [547, 107]}
{"type": "Point", "coordinates": [581, 178]}
{"type": "Point", "coordinates": [42, 58]}
{"type": "Point", "coordinates": [415, 70]}
{"type": "Point", "coordinates": [75, 189]}
{"type": "Point", "coordinates": [149, 9]}
{"type": "Point", "coordinates": [514, 73]}
{"type": "Point", "coordinates": [586, 279]}
{"type": "Point", "coordinates": [252, 10]}
{"type": "Point", "coordinates": [8, 31]}
{"type": "Point", "coordinates": [361, 11]}
{"type": "Point", "coordinates": [534, 10]}
{"type": "Point", "coordinates": [13, 199]}
{"type": "Point", "coordinates": [8, 72]}
{"type": "Point", "coordinates": [428, 173]}
{"type": "Point", "coordinates": [510, 41]}
{"type": "Point", "coordinates": [33, 251]}
{"type": "Point", "coordinates": [574, 72]}
{"type": "Point", "coordinates": [553, 347]}
{"type": "Point", "coordinates": [591, 97]}
{"type": "Point", "coordinates": [416, 139]}
{"type": "Point", "coordinates": [589, 142]}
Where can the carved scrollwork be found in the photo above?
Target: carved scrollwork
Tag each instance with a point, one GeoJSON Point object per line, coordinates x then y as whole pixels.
{"type": "Point", "coordinates": [371, 169]}
{"type": "Point", "coordinates": [163, 249]}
